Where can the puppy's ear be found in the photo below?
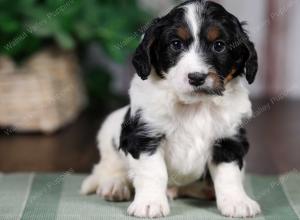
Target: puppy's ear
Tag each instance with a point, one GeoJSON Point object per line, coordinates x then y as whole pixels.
{"type": "Point", "coordinates": [249, 54]}
{"type": "Point", "coordinates": [142, 56]}
{"type": "Point", "coordinates": [251, 64]}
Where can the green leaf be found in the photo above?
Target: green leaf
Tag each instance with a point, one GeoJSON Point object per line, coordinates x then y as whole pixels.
{"type": "Point", "coordinates": [8, 24]}
{"type": "Point", "coordinates": [65, 40]}
{"type": "Point", "coordinates": [83, 31]}
{"type": "Point", "coordinates": [74, 22]}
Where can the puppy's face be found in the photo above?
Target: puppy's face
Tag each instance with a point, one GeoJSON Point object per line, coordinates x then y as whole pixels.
{"type": "Point", "coordinates": [198, 48]}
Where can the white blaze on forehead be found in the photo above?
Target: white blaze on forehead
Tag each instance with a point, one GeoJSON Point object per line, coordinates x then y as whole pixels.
{"type": "Point", "coordinates": [193, 17]}
{"type": "Point", "coordinates": [192, 60]}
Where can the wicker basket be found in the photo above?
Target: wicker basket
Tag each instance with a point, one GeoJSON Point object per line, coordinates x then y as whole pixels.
{"type": "Point", "coordinates": [44, 94]}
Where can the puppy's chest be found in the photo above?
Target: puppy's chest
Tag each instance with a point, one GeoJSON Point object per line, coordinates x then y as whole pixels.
{"type": "Point", "coordinates": [189, 144]}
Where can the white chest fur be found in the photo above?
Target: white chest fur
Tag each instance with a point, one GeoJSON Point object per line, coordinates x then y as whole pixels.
{"type": "Point", "coordinates": [190, 129]}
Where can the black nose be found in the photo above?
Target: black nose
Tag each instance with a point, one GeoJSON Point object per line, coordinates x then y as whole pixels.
{"type": "Point", "coordinates": [197, 79]}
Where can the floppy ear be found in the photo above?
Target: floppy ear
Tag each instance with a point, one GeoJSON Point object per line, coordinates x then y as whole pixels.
{"type": "Point", "coordinates": [251, 64]}
{"type": "Point", "coordinates": [142, 56]}
{"type": "Point", "coordinates": [249, 54]}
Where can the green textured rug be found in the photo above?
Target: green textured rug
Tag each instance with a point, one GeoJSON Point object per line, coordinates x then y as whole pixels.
{"type": "Point", "coordinates": [55, 196]}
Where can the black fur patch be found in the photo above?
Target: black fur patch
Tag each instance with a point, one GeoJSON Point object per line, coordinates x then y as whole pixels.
{"type": "Point", "coordinates": [231, 149]}
{"type": "Point", "coordinates": [136, 137]}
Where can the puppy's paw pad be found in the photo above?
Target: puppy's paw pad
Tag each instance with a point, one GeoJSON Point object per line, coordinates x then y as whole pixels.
{"type": "Point", "coordinates": [149, 209]}
{"type": "Point", "coordinates": [243, 207]}
{"type": "Point", "coordinates": [115, 190]}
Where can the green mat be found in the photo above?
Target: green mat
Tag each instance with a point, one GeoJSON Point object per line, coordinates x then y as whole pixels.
{"type": "Point", "coordinates": [55, 196]}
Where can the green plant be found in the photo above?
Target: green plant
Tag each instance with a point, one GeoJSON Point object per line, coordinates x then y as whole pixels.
{"type": "Point", "coordinates": [28, 25]}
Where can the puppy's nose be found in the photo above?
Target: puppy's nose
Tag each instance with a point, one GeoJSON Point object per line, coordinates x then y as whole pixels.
{"type": "Point", "coordinates": [197, 79]}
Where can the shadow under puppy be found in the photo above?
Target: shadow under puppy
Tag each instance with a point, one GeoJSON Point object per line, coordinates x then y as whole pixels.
{"type": "Point", "coordinates": [188, 102]}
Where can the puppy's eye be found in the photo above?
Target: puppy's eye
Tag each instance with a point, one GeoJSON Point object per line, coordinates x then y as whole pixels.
{"type": "Point", "coordinates": [177, 45]}
{"type": "Point", "coordinates": [219, 46]}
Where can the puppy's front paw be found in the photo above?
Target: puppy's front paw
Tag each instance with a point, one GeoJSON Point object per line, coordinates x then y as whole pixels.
{"type": "Point", "coordinates": [238, 206]}
{"type": "Point", "coordinates": [149, 208]}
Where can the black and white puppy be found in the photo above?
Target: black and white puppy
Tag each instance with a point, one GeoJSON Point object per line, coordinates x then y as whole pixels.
{"type": "Point", "coordinates": [188, 102]}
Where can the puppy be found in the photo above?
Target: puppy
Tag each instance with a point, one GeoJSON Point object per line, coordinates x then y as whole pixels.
{"type": "Point", "coordinates": [184, 121]}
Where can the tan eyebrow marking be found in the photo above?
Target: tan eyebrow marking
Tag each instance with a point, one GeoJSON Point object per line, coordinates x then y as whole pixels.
{"type": "Point", "coordinates": [213, 33]}
{"type": "Point", "coordinates": [183, 33]}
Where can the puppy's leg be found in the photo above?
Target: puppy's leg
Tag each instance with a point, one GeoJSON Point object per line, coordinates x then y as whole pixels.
{"type": "Point", "coordinates": [110, 178]}
{"type": "Point", "coordinates": [226, 169]}
{"type": "Point", "coordinates": [232, 199]}
{"type": "Point", "coordinates": [149, 175]}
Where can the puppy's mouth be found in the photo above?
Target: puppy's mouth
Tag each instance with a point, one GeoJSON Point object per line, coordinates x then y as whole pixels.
{"type": "Point", "coordinates": [208, 91]}
{"type": "Point", "coordinates": [212, 86]}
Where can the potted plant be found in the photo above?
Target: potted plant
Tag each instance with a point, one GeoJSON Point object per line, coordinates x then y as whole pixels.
{"type": "Point", "coordinates": [42, 46]}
